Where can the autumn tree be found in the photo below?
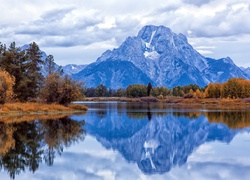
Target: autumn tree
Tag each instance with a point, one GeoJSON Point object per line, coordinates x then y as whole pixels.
{"type": "Point", "coordinates": [6, 86]}
{"type": "Point", "coordinates": [213, 90]}
{"type": "Point", "coordinates": [51, 90]}
{"type": "Point", "coordinates": [245, 90]}
{"type": "Point", "coordinates": [232, 88]}
{"type": "Point", "coordinates": [61, 89]}
{"type": "Point", "coordinates": [71, 90]}
{"type": "Point", "coordinates": [199, 94]}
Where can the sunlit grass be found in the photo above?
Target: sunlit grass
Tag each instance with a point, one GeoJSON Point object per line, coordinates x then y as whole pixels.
{"type": "Point", "coordinates": [37, 108]}
{"type": "Point", "coordinates": [78, 107]}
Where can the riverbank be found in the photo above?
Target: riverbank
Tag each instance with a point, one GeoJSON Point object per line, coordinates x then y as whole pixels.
{"type": "Point", "coordinates": [174, 100]}
{"type": "Point", "coordinates": [31, 108]}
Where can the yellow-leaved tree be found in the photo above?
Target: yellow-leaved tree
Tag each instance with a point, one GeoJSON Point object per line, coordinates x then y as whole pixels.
{"type": "Point", "coordinates": [6, 87]}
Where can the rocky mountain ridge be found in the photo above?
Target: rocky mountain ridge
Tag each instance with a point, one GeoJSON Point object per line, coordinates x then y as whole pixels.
{"type": "Point", "coordinates": [166, 58]}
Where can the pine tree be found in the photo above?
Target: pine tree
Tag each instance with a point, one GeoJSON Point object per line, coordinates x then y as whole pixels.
{"type": "Point", "coordinates": [149, 88]}
{"type": "Point", "coordinates": [13, 60]}
{"type": "Point", "coordinates": [34, 77]}
{"type": "Point", "coordinates": [50, 66]}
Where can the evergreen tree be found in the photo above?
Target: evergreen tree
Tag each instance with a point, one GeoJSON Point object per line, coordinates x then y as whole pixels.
{"type": "Point", "coordinates": [101, 91]}
{"type": "Point", "coordinates": [149, 88]}
{"type": "Point", "coordinates": [13, 60]}
{"type": "Point", "coordinates": [33, 68]}
{"type": "Point", "coordinates": [50, 66]}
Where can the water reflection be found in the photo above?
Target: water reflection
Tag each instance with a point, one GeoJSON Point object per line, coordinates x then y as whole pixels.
{"type": "Point", "coordinates": [129, 141]}
{"type": "Point", "coordinates": [169, 138]}
{"type": "Point", "coordinates": [24, 146]}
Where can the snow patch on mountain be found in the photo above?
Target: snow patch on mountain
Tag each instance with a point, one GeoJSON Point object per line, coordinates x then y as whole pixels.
{"type": "Point", "coordinates": [73, 68]}
{"type": "Point", "coordinates": [151, 55]}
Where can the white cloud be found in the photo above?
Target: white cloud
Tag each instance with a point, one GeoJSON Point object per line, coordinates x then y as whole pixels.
{"type": "Point", "coordinates": [61, 23]}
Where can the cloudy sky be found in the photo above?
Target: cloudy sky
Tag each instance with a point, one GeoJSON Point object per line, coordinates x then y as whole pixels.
{"type": "Point", "coordinates": [79, 31]}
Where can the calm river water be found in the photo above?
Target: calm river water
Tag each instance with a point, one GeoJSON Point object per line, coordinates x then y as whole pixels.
{"type": "Point", "coordinates": [130, 141]}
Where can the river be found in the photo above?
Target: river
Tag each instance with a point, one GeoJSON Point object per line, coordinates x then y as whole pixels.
{"type": "Point", "coordinates": [118, 140]}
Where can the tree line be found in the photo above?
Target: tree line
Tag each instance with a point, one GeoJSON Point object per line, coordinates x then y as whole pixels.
{"type": "Point", "coordinates": [25, 76]}
{"type": "Point", "coordinates": [139, 90]}
{"type": "Point", "coordinates": [233, 88]}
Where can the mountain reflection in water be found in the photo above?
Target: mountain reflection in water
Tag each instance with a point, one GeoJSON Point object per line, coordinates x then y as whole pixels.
{"type": "Point", "coordinates": [160, 140]}
{"type": "Point", "coordinates": [165, 136]}
{"type": "Point", "coordinates": [25, 145]}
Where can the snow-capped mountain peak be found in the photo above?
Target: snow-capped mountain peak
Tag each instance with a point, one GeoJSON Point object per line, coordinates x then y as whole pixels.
{"type": "Point", "coordinates": [166, 58]}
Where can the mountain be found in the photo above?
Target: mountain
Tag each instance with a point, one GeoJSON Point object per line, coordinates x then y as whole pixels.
{"type": "Point", "coordinates": [166, 58]}
{"type": "Point", "coordinates": [112, 74]}
{"type": "Point", "coordinates": [246, 70]}
{"type": "Point", "coordinates": [73, 68]}
{"type": "Point", "coordinates": [222, 69]}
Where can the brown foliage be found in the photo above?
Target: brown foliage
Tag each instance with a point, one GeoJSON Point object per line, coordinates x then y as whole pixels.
{"type": "Point", "coordinates": [6, 87]}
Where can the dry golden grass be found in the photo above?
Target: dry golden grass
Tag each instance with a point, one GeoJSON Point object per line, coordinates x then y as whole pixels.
{"type": "Point", "coordinates": [19, 112]}
{"type": "Point", "coordinates": [78, 107]}
{"type": "Point", "coordinates": [231, 102]}
{"type": "Point", "coordinates": [35, 108]}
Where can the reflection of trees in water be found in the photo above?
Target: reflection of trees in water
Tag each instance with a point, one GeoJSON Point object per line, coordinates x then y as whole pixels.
{"type": "Point", "coordinates": [6, 138]}
{"type": "Point", "coordinates": [144, 110]}
{"type": "Point", "coordinates": [25, 145]}
{"type": "Point", "coordinates": [191, 115]}
{"type": "Point", "coordinates": [233, 119]}
{"type": "Point", "coordinates": [101, 113]}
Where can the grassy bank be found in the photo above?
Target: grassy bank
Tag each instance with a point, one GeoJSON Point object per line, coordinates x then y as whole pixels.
{"type": "Point", "coordinates": [38, 108]}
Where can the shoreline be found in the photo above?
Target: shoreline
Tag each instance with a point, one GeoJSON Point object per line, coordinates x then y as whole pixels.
{"type": "Point", "coordinates": [174, 100]}
{"type": "Point", "coordinates": [39, 109]}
